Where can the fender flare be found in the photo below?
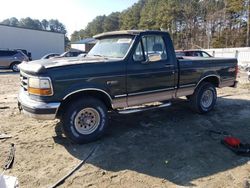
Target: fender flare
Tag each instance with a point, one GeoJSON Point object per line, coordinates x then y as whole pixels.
{"type": "Point", "coordinates": [89, 89]}
{"type": "Point", "coordinates": [207, 76]}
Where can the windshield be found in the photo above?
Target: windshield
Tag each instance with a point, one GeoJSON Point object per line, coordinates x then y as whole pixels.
{"type": "Point", "coordinates": [115, 47]}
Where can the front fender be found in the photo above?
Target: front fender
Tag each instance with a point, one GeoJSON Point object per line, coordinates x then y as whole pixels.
{"type": "Point", "coordinates": [79, 87]}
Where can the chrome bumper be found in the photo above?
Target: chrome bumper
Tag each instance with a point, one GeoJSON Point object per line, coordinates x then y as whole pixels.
{"type": "Point", "coordinates": [36, 109]}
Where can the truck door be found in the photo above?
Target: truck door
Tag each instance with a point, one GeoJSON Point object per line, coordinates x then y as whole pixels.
{"type": "Point", "coordinates": [150, 73]}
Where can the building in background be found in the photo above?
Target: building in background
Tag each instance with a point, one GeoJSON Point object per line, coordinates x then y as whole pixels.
{"type": "Point", "coordinates": [84, 45]}
{"type": "Point", "coordinates": [37, 42]}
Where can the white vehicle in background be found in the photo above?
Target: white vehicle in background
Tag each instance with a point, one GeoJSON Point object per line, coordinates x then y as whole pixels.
{"type": "Point", "coordinates": [71, 53]}
{"type": "Point", "coordinates": [50, 55]}
{"type": "Point", "coordinates": [247, 69]}
{"type": "Point", "coordinates": [82, 55]}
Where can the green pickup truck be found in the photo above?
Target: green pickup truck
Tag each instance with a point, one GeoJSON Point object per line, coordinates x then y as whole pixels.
{"type": "Point", "coordinates": [124, 72]}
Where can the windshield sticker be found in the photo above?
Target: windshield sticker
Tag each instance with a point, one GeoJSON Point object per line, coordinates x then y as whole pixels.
{"type": "Point", "coordinates": [127, 41]}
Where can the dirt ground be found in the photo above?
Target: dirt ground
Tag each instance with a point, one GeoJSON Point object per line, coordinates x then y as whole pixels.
{"type": "Point", "coordinates": [161, 148]}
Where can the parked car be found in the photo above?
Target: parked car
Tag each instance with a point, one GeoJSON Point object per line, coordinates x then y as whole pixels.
{"type": "Point", "coordinates": [74, 53]}
{"type": "Point", "coordinates": [193, 53]}
{"type": "Point", "coordinates": [10, 59]}
{"type": "Point", "coordinates": [248, 71]}
{"type": "Point", "coordinates": [246, 68]}
{"type": "Point", "coordinates": [50, 55]}
{"type": "Point", "coordinates": [124, 71]}
{"type": "Point", "coordinates": [28, 54]}
{"type": "Point", "coordinates": [83, 54]}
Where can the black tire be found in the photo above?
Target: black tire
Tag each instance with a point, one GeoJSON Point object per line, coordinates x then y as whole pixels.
{"type": "Point", "coordinates": [77, 120]}
{"type": "Point", "coordinates": [14, 67]}
{"type": "Point", "coordinates": [204, 98]}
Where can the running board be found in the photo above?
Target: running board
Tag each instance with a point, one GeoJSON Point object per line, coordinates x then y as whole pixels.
{"type": "Point", "coordinates": [141, 109]}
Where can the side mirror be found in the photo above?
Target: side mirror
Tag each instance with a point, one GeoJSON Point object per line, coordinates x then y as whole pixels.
{"type": "Point", "coordinates": [154, 57]}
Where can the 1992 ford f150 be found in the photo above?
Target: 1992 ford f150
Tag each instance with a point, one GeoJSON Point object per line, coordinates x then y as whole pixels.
{"type": "Point", "coordinates": [123, 70]}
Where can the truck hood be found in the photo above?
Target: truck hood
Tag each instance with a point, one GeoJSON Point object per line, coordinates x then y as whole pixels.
{"type": "Point", "coordinates": [40, 66]}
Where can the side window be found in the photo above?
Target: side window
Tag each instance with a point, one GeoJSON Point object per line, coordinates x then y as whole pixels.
{"type": "Point", "coordinates": [153, 47]}
{"type": "Point", "coordinates": [138, 55]}
{"type": "Point", "coordinates": [204, 54]}
{"type": "Point", "coordinates": [11, 53]}
{"type": "Point", "coordinates": [194, 54]}
{"type": "Point", "coordinates": [68, 54]}
{"type": "Point", "coordinates": [7, 53]}
{"type": "Point", "coordinates": [197, 54]}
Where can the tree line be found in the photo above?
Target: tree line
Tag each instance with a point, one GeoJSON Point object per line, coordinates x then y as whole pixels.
{"type": "Point", "coordinates": [47, 25]}
{"type": "Point", "coordinates": [191, 23]}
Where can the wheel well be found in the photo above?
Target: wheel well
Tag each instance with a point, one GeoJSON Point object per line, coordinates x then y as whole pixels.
{"type": "Point", "coordinates": [211, 79]}
{"type": "Point", "coordinates": [92, 93]}
{"type": "Point", "coordinates": [17, 62]}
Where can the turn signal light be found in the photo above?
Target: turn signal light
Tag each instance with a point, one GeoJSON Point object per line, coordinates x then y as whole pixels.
{"type": "Point", "coordinates": [39, 91]}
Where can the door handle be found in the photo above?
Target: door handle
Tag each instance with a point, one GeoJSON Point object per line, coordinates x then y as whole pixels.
{"type": "Point", "coordinates": [112, 82]}
{"type": "Point", "coordinates": [168, 65]}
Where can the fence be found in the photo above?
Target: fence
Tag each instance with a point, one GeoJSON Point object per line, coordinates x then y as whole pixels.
{"type": "Point", "coordinates": [242, 54]}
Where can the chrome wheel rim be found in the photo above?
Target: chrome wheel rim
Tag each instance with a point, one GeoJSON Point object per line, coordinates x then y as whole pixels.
{"type": "Point", "coordinates": [87, 121]}
{"type": "Point", "coordinates": [207, 99]}
{"type": "Point", "coordinates": [15, 68]}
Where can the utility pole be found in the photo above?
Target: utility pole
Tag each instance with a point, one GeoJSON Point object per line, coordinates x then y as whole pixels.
{"type": "Point", "coordinates": [225, 19]}
{"type": "Point", "coordinates": [248, 24]}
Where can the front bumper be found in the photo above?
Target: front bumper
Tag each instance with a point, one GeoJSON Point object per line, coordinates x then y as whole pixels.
{"type": "Point", "coordinates": [36, 109]}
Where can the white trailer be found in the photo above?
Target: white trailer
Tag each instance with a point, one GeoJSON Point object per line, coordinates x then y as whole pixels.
{"type": "Point", "coordinates": [37, 42]}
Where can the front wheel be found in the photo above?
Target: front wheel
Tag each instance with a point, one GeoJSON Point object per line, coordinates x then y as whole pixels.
{"type": "Point", "coordinates": [204, 98]}
{"type": "Point", "coordinates": [85, 120]}
{"type": "Point", "coordinates": [14, 67]}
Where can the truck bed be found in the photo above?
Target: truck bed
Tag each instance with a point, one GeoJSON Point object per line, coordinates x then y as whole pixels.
{"type": "Point", "coordinates": [192, 70]}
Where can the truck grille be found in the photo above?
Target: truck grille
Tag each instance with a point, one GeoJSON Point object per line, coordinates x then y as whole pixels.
{"type": "Point", "coordinates": [24, 81]}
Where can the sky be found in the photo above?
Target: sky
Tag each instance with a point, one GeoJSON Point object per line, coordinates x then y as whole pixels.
{"type": "Point", "coordinates": [74, 14]}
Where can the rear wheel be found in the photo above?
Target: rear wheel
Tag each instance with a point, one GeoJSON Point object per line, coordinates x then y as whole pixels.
{"type": "Point", "coordinates": [204, 98]}
{"type": "Point", "coordinates": [14, 67]}
{"type": "Point", "coordinates": [85, 120]}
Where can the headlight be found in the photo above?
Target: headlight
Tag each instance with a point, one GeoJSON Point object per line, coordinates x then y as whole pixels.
{"type": "Point", "coordinates": [40, 86]}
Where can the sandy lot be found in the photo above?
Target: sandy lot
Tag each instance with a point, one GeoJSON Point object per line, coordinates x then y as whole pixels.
{"type": "Point", "coordinates": [161, 148]}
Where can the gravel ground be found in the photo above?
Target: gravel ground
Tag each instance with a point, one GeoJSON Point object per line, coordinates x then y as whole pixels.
{"type": "Point", "coordinates": [160, 148]}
